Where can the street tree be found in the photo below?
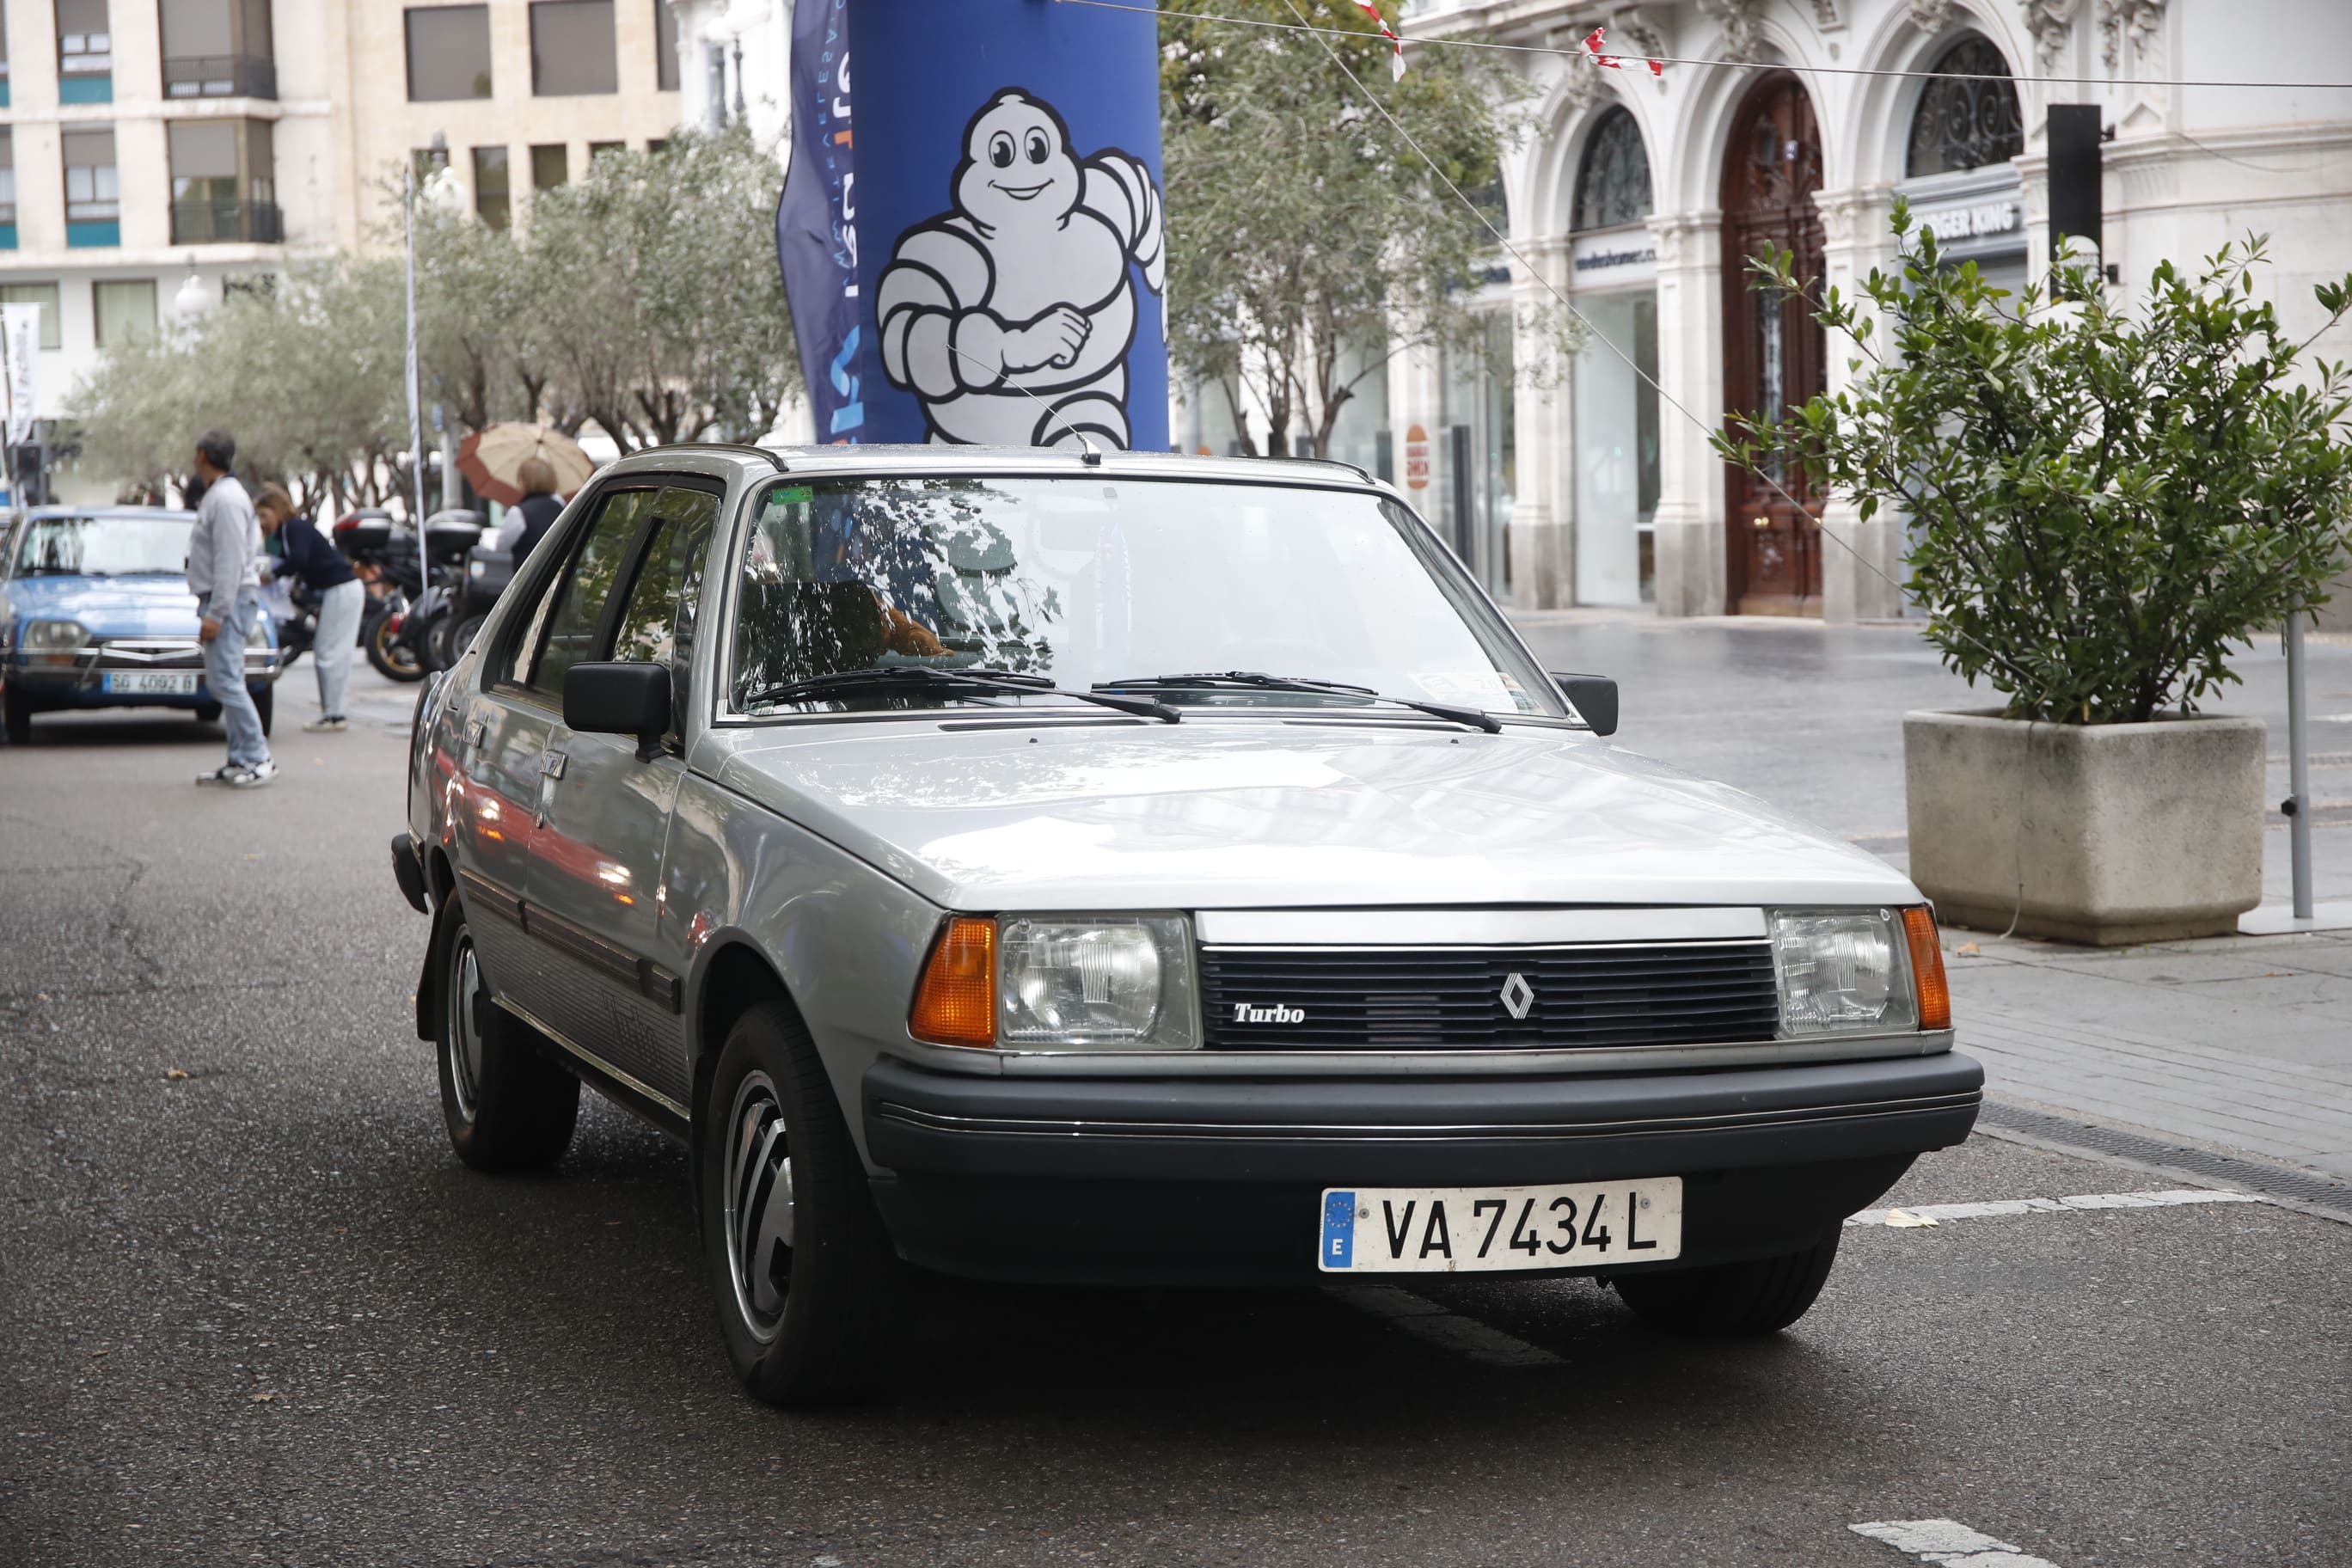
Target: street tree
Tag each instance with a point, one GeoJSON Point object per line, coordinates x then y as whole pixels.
{"type": "Point", "coordinates": [1307, 243]}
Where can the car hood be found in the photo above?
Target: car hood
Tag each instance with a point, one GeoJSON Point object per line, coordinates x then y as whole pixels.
{"type": "Point", "coordinates": [1263, 813]}
{"type": "Point", "coordinates": [108, 606]}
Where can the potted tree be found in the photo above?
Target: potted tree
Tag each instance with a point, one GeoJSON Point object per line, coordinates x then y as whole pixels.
{"type": "Point", "coordinates": [2105, 505]}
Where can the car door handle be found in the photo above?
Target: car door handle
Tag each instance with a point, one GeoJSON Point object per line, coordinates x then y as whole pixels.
{"type": "Point", "coordinates": [554, 767]}
{"type": "Point", "coordinates": [477, 732]}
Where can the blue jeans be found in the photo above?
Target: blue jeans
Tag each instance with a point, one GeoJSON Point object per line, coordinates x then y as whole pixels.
{"type": "Point", "coordinates": [224, 676]}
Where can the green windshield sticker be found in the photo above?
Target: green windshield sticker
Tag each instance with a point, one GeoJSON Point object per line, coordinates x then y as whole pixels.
{"type": "Point", "coordinates": [795, 495]}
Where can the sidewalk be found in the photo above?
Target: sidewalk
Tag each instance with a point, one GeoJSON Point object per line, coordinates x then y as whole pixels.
{"type": "Point", "coordinates": [2237, 1044]}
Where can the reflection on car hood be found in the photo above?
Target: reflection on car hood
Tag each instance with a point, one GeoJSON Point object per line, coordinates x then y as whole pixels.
{"type": "Point", "coordinates": [1263, 813]}
{"type": "Point", "coordinates": [108, 606]}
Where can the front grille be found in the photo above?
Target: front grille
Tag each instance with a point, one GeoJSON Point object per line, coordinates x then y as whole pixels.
{"type": "Point", "coordinates": [1662, 993]}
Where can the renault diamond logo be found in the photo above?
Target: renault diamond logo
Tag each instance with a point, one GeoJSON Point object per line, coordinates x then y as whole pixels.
{"type": "Point", "coordinates": [1519, 997]}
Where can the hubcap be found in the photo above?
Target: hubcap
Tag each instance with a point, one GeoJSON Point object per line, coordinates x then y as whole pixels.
{"type": "Point", "coordinates": [758, 1206]}
{"type": "Point", "coordinates": [465, 1033]}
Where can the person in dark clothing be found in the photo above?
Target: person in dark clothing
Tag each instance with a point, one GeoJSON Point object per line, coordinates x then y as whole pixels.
{"type": "Point", "coordinates": [304, 554]}
{"type": "Point", "coordinates": [538, 508]}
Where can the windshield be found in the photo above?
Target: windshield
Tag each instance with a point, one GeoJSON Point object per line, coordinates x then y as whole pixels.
{"type": "Point", "coordinates": [105, 547]}
{"type": "Point", "coordinates": [1088, 581]}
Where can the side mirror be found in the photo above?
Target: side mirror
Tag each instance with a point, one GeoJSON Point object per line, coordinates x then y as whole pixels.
{"type": "Point", "coordinates": [619, 700]}
{"type": "Point", "coordinates": [1593, 695]}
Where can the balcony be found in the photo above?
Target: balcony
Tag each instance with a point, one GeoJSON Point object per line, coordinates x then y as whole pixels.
{"type": "Point", "coordinates": [226, 222]}
{"type": "Point", "coordinates": [220, 76]}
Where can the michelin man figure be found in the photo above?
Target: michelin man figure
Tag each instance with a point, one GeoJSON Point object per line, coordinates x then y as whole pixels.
{"type": "Point", "coordinates": [1010, 318]}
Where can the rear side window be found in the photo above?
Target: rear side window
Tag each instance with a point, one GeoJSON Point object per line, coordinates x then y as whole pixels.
{"type": "Point", "coordinates": [574, 609]}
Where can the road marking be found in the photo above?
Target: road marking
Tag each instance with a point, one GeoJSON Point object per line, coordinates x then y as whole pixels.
{"type": "Point", "coordinates": [1948, 1543]}
{"type": "Point", "coordinates": [1936, 1213]}
{"type": "Point", "coordinates": [1425, 1319]}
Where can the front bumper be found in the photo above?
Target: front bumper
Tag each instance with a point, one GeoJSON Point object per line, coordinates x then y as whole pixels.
{"type": "Point", "coordinates": [76, 677]}
{"type": "Point", "coordinates": [1182, 1181]}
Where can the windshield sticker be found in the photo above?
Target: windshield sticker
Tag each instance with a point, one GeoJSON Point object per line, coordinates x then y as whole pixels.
{"type": "Point", "coordinates": [795, 495]}
{"type": "Point", "coordinates": [1467, 685]}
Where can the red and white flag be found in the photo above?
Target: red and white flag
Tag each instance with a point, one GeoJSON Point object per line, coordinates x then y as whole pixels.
{"type": "Point", "coordinates": [1396, 60]}
{"type": "Point", "coordinates": [1592, 45]}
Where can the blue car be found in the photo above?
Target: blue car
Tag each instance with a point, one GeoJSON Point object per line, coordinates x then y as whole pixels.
{"type": "Point", "coordinates": [95, 611]}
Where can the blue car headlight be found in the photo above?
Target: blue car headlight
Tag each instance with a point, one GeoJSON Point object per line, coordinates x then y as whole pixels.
{"type": "Point", "coordinates": [43, 636]}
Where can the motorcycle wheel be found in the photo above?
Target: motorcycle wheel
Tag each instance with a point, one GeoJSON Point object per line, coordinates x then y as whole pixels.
{"type": "Point", "coordinates": [394, 657]}
{"type": "Point", "coordinates": [461, 632]}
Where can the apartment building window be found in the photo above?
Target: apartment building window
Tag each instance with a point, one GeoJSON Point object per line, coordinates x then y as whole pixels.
{"type": "Point", "coordinates": [550, 165]}
{"type": "Point", "coordinates": [598, 148]}
{"type": "Point", "coordinates": [3, 57]}
{"type": "Point", "coordinates": [223, 183]}
{"type": "Point", "coordinates": [7, 188]}
{"type": "Point", "coordinates": [123, 311]}
{"type": "Point", "coordinates": [85, 52]}
{"type": "Point", "coordinates": [665, 47]}
{"type": "Point", "coordinates": [44, 295]}
{"type": "Point", "coordinates": [93, 210]}
{"type": "Point", "coordinates": [493, 195]}
{"type": "Point", "coordinates": [218, 48]}
{"type": "Point", "coordinates": [449, 52]}
{"type": "Point", "coordinates": [572, 49]}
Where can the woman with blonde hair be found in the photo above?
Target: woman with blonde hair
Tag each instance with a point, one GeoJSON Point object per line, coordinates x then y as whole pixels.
{"type": "Point", "coordinates": [304, 554]}
{"type": "Point", "coordinates": [538, 508]}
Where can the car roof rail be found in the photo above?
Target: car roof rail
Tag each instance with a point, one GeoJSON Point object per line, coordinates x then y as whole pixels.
{"type": "Point", "coordinates": [742, 446]}
{"type": "Point", "coordinates": [1334, 463]}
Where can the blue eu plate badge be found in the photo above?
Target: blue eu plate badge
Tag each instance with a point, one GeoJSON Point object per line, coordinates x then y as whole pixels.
{"type": "Point", "coordinates": [1338, 1230]}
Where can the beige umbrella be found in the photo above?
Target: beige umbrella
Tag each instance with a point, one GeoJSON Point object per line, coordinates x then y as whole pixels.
{"type": "Point", "coordinates": [492, 457]}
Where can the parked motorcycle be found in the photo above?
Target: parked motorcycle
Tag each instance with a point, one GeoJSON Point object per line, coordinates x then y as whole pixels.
{"type": "Point", "coordinates": [388, 561]}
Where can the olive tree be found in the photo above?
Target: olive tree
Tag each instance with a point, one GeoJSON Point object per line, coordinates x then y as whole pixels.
{"type": "Point", "coordinates": [2105, 499]}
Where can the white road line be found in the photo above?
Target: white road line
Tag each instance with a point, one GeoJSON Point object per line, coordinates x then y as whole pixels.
{"type": "Point", "coordinates": [1936, 1213]}
{"type": "Point", "coordinates": [1425, 1319]}
{"type": "Point", "coordinates": [1949, 1544]}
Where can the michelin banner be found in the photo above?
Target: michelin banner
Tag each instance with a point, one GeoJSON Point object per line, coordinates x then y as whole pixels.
{"type": "Point", "coordinates": [972, 242]}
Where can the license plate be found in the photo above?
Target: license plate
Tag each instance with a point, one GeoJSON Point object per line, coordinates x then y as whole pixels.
{"type": "Point", "coordinates": [153, 683]}
{"type": "Point", "coordinates": [1461, 1230]}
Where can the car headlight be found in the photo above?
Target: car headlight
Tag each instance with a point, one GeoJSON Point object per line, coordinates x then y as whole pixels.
{"type": "Point", "coordinates": [1842, 971]}
{"type": "Point", "coordinates": [1113, 982]}
{"type": "Point", "coordinates": [50, 635]}
{"type": "Point", "coordinates": [260, 636]}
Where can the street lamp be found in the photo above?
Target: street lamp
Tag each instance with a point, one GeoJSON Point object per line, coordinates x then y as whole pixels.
{"type": "Point", "coordinates": [191, 300]}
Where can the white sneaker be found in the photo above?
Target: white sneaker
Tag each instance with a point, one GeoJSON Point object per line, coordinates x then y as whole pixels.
{"type": "Point", "coordinates": [326, 726]}
{"type": "Point", "coordinates": [250, 778]}
{"type": "Point", "coordinates": [218, 775]}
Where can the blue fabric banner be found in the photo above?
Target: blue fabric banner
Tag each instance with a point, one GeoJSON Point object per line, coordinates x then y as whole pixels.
{"type": "Point", "coordinates": [1004, 224]}
{"type": "Point", "coordinates": [816, 228]}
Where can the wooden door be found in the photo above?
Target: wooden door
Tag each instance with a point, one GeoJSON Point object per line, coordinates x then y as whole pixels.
{"type": "Point", "coordinates": [1773, 349]}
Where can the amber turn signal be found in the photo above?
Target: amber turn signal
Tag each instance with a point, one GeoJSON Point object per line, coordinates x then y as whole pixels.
{"type": "Point", "coordinates": [955, 1001]}
{"type": "Point", "coordinates": [1927, 969]}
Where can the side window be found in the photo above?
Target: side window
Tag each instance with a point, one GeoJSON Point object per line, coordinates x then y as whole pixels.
{"type": "Point", "coordinates": [575, 604]}
{"type": "Point", "coordinates": [658, 623]}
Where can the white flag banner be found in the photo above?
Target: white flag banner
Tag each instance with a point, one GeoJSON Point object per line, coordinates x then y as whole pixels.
{"type": "Point", "coordinates": [20, 368]}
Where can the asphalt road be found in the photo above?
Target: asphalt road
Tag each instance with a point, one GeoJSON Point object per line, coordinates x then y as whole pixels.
{"type": "Point", "coordinates": [258, 1313]}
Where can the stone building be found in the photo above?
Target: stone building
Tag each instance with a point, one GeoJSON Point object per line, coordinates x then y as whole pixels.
{"type": "Point", "coordinates": [1638, 194]}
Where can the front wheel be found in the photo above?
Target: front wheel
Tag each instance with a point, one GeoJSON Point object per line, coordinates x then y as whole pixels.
{"type": "Point", "coordinates": [1731, 1300]}
{"type": "Point", "coordinates": [803, 1270]}
{"type": "Point", "coordinates": [20, 717]}
{"type": "Point", "coordinates": [265, 703]}
{"type": "Point", "coordinates": [392, 657]}
{"type": "Point", "coordinates": [507, 1108]}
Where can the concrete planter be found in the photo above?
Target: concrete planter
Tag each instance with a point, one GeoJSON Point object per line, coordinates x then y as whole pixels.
{"type": "Point", "coordinates": [2119, 833]}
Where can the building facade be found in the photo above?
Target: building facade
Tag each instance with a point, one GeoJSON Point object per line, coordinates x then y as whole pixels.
{"type": "Point", "coordinates": [1638, 198]}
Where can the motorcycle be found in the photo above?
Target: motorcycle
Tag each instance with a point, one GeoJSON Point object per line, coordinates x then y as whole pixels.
{"type": "Point", "coordinates": [387, 560]}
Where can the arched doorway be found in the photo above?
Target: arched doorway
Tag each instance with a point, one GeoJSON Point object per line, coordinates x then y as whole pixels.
{"type": "Point", "coordinates": [1773, 351]}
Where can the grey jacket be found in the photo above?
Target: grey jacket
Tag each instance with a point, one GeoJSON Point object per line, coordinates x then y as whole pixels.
{"type": "Point", "coordinates": [223, 548]}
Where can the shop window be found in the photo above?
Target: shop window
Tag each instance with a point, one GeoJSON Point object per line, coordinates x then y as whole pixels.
{"type": "Point", "coordinates": [449, 52]}
{"type": "Point", "coordinates": [93, 204]}
{"type": "Point", "coordinates": [218, 48]}
{"type": "Point", "coordinates": [493, 196]}
{"type": "Point", "coordinates": [85, 52]}
{"type": "Point", "coordinates": [572, 49]}
{"type": "Point", "coordinates": [123, 311]}
{"type": "Point", "coordinates": [665, 47]}
{"type": "Point", "coordinates": [1612, 178]}
{"type": "Point", "coordinates": [44, 295]}
{"type": "Point", "coordinates": [223, 183]}
{"type": "Point", "coordinates": [1964, 120]}
{"type": "Point", "coordinates": [550, 165]}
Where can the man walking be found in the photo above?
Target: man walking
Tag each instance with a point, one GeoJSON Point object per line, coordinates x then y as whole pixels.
{"type": "Point", "coordinates": [224, 574]}
{"type": "Point", "coordinates": [305, 554]}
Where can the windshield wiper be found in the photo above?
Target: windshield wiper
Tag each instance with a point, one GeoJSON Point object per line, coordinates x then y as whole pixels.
{"type": "Point", "coordinates": [911, 679]}
{"type": "Point", "coordinates": [1251, 680]}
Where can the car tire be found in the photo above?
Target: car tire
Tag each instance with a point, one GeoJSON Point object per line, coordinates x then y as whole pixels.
{"type": "Point", "coordinates": [806, 1296]}
{"type": "Point", "coordinates": [206, 713]}
{"type": "Point", "coordinates": [507, 1107]}
{"type": "Point", "coordinates": [265, 703]}
{"type": "Point", "coordinates": [1731, 1300]}
{"type": "Point", "coordinates": [19, 712]}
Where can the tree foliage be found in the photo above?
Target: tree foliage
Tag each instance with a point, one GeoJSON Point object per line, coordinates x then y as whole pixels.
{"type": "Point", "coordinates": [2104, 500]}
{"type": "Point", "coordinates": [1307, 243]}
{"type": "Point", "coordinates": [644, 296]}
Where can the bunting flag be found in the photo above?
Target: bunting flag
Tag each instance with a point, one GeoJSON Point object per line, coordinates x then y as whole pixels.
{"type": "Point", "coordinates": [1592, 45]}
{"type": "Point", "coordinates": [1396, 60]}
